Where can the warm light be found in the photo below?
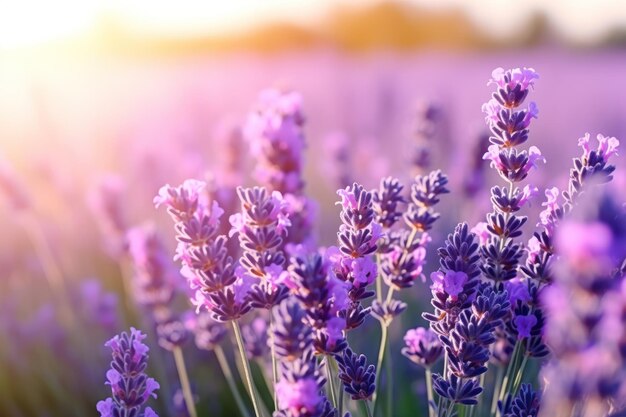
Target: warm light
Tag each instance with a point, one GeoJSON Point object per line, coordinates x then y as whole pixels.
{"type": "Point", "coordinates": [31, 22]}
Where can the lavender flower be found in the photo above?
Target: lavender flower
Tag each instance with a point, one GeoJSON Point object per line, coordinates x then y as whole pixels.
{"type": "Point", "coordinates": [422, 347]}
{"type": "Point", "coordinates": [403, 258]}
{"type": "Point", "coordinates": [387, 202]}
{"type": "Point", "coordinates": [456, 284]}
{"type": "Point", "coordinates": [425, 194]}
{"type": "Point", "coordinates": [130, 387]}
{"type": "Point", "coordinates": [525, 404]}
{"type": "Point", "coordinates": [218, 284]}
{"type": "Point", "coordinates": [274, 131]}
{"type": "Point", "coordinates": [261, 227]}
{"type": "Point", "coordinates": [300, 389]}
{"type": "Point", "coordinates": [324, 298]}
{"type": "Point", "coordinates": [358, 378]}
{"type": "Point", "coordinates": [291, 335]}
{"type": "Point", "coordinates": [585, 308]}
{"type": "Point", "coordinates": [351, 262]}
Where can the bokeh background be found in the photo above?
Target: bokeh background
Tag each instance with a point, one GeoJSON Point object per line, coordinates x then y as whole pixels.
{"type": "Point", "coordinates": [133, 95]}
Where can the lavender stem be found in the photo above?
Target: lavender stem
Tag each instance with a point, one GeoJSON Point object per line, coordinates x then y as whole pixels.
{"type": "Point", "coordinates": [228, 374]}
{"type": "Point", "coordinates": [429, 391]}
{"type": "Point", "coordinates": [381, 356]}
{"type": "Point", "coordinates": [246, 368]}
{"type": "Point", "coordinates": [184, 380]}
{"type": "Point", "coordinates": [331, 384]}
{"type": "Point", "coordinates": [274, 364]}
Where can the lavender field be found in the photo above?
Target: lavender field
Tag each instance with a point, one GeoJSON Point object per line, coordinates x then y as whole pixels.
{"type": "Point", "coordinates": [314, 233]}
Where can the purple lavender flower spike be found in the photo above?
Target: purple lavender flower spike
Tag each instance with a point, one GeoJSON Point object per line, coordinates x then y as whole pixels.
{"type": "Point", "coordinates": [456, 389]}
{"type": "Point", "coordinates": [525, 404]}
{"type": "Point", "coordinates": [274, 131]}
{"type": "Point", "coordinates": [422, 347]}
{"type": "Point", "coordinates": [385, 311]}
{"type": "Point", "coordinates": [425, 194]}
{"type": "Point", "coordinates": [352, 262]}
{"type": "Point", "coordinates": [300, 389]}
{"type": "Point", "coordinates": [402, 260]}
{"type": "Point", "coordinates": [291, 335]}
{"type": "Point", "coordinates": [358, 378]}
{"type": "Point", "coordinates": [323, 297]}
{"type": "Point", "coordinates": [261, 227]}
{"type": "Point", "coordinates": [387, 202]}
{"type": "Point", "coordinates": [216, 281]}
{"type": "Point", "coordinates": [130, 387]}
{"type": "Point", "coordinates": [459, 261]}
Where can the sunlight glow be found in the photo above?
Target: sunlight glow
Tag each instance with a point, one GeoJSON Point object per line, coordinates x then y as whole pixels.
{"type": "Point", "coordinates": [30, 22]}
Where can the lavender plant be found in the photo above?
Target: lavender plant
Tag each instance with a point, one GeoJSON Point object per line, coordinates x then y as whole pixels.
{"type": "Point", "coordinates": [496, 317]}
{"type": "Point", "coordinates": [130, 387]}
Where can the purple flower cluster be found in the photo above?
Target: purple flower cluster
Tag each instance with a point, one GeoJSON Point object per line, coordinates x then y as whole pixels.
{"type": "Point", "coordinates": [586, 308]}
{"type": "Point", "coordinates": [261, 227]}
{"type": "Point", "coordinates": [358, 378]}
{"type": "Point", "coordinates": [402, 252]}
{"type": "Point", "coordinates": [509, 128]}
{"type": "Point", "coordinates": [524, 404]}
{"type": "Point", "coordinates": [425, 194]}
{"type": "Point", "coordinates": [130, 387]}
{"type": "Point", "coordinates": [274, 130]}
{"type": "Point", "coordinates": [324, 298]}
{"type": "Point", "coordinates": [300, 389]}
{"type": "Point", "coordinates": [455, 285]}
{"type": "Point", "coordinates": [422, 347]}
{"type": "Point", "coordinates": [467, 346]}
{"type": "Point", "coordinates": [218, 286]}
{"type": "Point", "coordinates": [352, 262]}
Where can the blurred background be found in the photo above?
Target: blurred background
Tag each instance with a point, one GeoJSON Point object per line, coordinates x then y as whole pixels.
{"type": "Point", "coordinates": [112, 99]}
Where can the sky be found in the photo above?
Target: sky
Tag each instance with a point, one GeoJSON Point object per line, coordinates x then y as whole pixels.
{"type": "Point", "coordinates": [28, 22]}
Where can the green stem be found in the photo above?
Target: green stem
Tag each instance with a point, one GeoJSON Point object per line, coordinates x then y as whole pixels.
{"type": "Point", "coordinates": [246, 368]}
{"type": "Point", "coordinates": [331, 383]}
{"type": "Point", "coordinates": [449, 410]}
{"type": "Point", "coordinates": [429, 392]}
{"type": "Point", "coordinates": [509, 371]}
{"type": "Point", "coordinates": [389, 295]}
{"type": "Point", "coordinates": [230, 380]}
{"type": "Point", "coordinates": [340, 399]}
{"type": "Point", "coordinates": [368, 410]}
{"type": "Point", "coordinates": [381, 356]}
{"type": "Point", "coordinates": [520, 375]}
{"type": "Point", "coordinates": [184, 381]}
{"type": "Point", "coordinates": [496, 389]}
{"type": "Point", "coordinates": [274, 364]}
{"type": "Point", "coordinates": [389, 373]}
